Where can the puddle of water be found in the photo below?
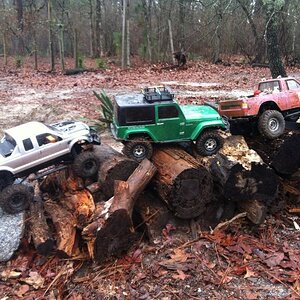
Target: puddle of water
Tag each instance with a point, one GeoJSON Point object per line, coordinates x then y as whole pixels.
{"type": "Point", "coordinates": [194, 84]}
{"type": "Point", "coordinates": [215, 94]}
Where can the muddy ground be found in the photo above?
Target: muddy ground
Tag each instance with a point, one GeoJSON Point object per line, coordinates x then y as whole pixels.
{"type": "Point", "coordinates": [241, 261]}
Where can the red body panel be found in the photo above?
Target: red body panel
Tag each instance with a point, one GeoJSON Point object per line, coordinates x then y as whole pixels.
{"type": "Point", "coordinates": [283, 92]}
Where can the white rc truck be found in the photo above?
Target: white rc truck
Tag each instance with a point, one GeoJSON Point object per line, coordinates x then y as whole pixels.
{"type": "Point", "coordinates": [34, 146]}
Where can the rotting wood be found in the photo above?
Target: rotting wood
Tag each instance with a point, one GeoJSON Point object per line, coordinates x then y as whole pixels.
{"type": "Point", "coordinates": [182, 182]}
{"type": "Point", "coordinates": [65, 227]}
{"type": "Point", "coordinates": [39, 229]}
{"type": "Point", "coordinates": [114, 228]}
{"type": "Point", "coordinates": [256, 211]}
{"type": "Point", "coordinates": [113, 166]}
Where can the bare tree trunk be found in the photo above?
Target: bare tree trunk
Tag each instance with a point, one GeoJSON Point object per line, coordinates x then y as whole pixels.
{"type": "Point", "coordinates": [171, 41]}
{"type": "Point", "coordinates": [259, 42]}
{"type": "Point", "coordinates": [273, 50]}
{"type": "Point", "coordinates": [123, 33]}
{"type": "Point", "coordinates": [20, 27]}
{"type": "Point", "coordinates": [92, 35]}
{"type": "Point", "coordinates": [75, 48]}
{"type": "Point", "coordinates": [62, 48]}
{"type": "Point", "coordinates": [50, 37]}
{"type": "Point", "coordinates": [98, 29]}
{"type": "Point", "coordinates": [128, 44]}
{"type": "Point", "coordinates": [35, 51]}
{"type": "Point", "coordinates": [217, 33]}
{"type": "Point", "coordinates": [5, 49]}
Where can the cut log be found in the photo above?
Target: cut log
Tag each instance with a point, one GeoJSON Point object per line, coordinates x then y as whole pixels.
{"type": "Point", "coordinates": [239, 173]}
{"type": "Point", "coordinates": [77, 71]}
{"type": "Point", "coordinates": [182, 182]}
{"type": "Point", "coordinates": [39, 229]}
{"type": "Point", "coordinates": [65, 227]}
{"type": "Point", "coordinates": [112, 233]}
{"type": "Point", "coordinates": [237, 184]}
{"type": "Point", "coordinates": [282, 154]}
{"type": "Point", "coordinates": [113, 166]}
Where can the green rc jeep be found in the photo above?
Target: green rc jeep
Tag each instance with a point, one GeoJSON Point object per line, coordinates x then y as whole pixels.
{"type": "Point", "coordinates": [155, 117]}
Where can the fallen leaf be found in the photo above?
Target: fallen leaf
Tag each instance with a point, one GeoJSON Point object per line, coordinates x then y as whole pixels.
{"type": "Point", "coordinates": [22, 290]}
{"type": "Point", "coordinates": [249, 273]}
{"type": "Point", "coordinates": [35, 280]}
{"type": "Point", "coordinates": [181, 275]}
{"type": "Point", "coordinates": [10, 274]}
{"type": "Point", "coordinates": [275, 259]}
{"type": "Point", "coordinates": [179, 256]}
{"type": "Point", "coordinates": [251, 295]}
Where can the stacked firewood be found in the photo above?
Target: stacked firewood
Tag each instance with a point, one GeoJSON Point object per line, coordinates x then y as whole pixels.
{"type": "Point", "coordinates": [94, 218]}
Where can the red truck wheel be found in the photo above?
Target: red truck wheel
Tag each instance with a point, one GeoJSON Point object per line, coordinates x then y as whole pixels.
{"type": "Point", "coordinates": [271, 124]}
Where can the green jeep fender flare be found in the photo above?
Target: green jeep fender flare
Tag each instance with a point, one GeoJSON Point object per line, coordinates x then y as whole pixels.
{"type": "Point", "coordinates": [209, 124]}
{"type": "Point", "coordinates": [136, 132]}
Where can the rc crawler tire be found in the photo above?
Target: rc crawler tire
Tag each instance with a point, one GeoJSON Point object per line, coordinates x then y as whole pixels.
{"type": "Point", "coordinates": [6, 179]}
{"type": "Point", "coordinates": [16, 198]}
{"type": "Point", "coordinates": [271, 124]}
{"type": "Point", "coordinates": [138, 150]}
{"type": "Point", "coordinates": [209, 143]}
{"type": "Point", "coordinates": [86, 164]}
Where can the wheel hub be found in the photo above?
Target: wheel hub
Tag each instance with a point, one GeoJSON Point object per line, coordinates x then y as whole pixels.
{"type": "Point", "coordinates": [273, 124]}
{"type": "Point", "coordinates": [139, 151]}
{"type": "Point", "coordinates": [210, 144]}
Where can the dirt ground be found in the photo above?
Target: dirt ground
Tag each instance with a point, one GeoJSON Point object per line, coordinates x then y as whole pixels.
{"type": "Point", "coordinates": [240, 261]}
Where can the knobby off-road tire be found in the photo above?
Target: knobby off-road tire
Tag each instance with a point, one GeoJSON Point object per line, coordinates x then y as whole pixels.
{"type": "Point", "coordinates": [271, 124]}
{"type": "Point", "coordinates": [138, 150]}
{"type": "Point", "coordinates": [86, 164]}
{"type": "Point", "coordinates": [16, 198]}
{"type": "Point", "coordinates": [209, 143]}
{"type": "Point", "coordinates": [6, 179]}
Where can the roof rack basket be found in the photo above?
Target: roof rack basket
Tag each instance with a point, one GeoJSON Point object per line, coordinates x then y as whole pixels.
{"type": "Point", "coordinates": [157, 94]}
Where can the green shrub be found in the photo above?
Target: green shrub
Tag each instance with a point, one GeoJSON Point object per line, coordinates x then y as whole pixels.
{"type": "Point", "coordinates": [101, 63]}
{"type": "Point", "coordinates": [18, 62]}
{"type": "Point", "coordinates": [81, 62]}
{"type": "Point", "coordinates": [105, 109]}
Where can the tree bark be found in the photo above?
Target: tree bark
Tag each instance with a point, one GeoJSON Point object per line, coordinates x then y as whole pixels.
{"type": "Point", "coordinates": [50, 36]}
{"type": "Point", "coordinates": [39, 229]}
{"type": "Point", "coordinates": [113, 166]}
{"type": "Point", "coordinates": [171, 41]}
{"type": "Point", "coordinates": [273, 50]}
{"type": "Point", "coordinates": [123, 33]}
{"type": "Point", "coordinates": [65, 227]}
{"type": "Point", "coordinates": [112, 232]}
{"type": "Point", "coordinates": [282, 154]}
{"type": "Point", "coordinates": [182, 182]}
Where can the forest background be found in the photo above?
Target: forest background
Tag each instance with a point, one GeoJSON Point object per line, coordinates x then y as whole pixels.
{"type": "Point", "coordinates": [259, 31]}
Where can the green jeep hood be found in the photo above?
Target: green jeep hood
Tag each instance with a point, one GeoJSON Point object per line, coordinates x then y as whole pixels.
{"type": "Point", "coordinates": [200, 112]}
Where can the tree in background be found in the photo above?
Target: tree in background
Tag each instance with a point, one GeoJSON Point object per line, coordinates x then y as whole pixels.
{"type": "Point", "coordinates": [273, 9]}
{"type": "Point", "coordinates": [217, 30]}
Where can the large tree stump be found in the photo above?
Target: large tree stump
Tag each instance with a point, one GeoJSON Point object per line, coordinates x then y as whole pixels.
{"type": "Point", "coordinates": [113, 166]}
{"type": "Point", "coordinates": [182, 182]}
{"type": "Point", "coordinates": [39, 230]}
{"type": "Point", "coordinates": [112, 232]}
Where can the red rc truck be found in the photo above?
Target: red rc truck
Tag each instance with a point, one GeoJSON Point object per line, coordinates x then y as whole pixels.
{"type": "Point", "coordinates": [275, 101]}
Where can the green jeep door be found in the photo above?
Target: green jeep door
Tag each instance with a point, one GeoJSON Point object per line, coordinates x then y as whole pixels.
{"type": "Point", "coordinates": [169, 123]}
